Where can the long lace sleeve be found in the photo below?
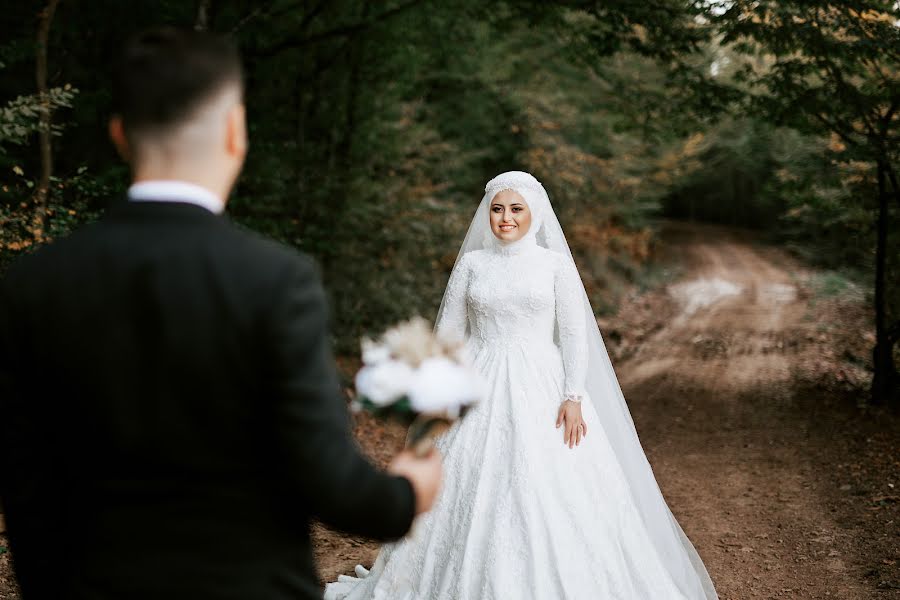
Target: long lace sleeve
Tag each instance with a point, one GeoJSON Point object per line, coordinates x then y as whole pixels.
{"type": "Point", "coordinates": [570, 318]}
{"type": "Point", "coordinates": [453, 320]}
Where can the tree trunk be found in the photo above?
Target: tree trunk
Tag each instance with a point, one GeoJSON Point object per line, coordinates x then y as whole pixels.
{"type": "Point", "coordinates": [43, 188]}
{"type": "Point", "coordinates": [895, 186]}
{"type": "Point", "coordinates": [201, 22]}
{"type": "Point", "coordinates": [893, 331]}
{"type": "Point", "coordinates": [345, 133]}
{"type": "Point", "coordinates": [345, 148]}
{"type": "Point", "coordinates": [882, 354]}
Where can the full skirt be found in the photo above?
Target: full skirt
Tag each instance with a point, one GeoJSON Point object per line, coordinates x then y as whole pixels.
{"type": "Point", "coordinates": [520, 514]}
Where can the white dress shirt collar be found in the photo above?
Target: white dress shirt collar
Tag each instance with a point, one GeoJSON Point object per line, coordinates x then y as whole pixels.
{"type": "Point", "coordinates": [160, 190]}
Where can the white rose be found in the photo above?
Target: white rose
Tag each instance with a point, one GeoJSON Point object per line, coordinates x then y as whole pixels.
{"type": "Point", "coordinates": [385, 382]}
{"type": "Point", "coordinates": [374, 353]}
{"type": "Point", "coordinates": [441, 386]}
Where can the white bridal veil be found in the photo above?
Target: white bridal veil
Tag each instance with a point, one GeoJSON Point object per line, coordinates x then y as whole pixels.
{"type": "Point", "coordinates": [676, 552]}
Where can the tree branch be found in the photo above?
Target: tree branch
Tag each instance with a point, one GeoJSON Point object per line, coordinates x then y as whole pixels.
{"type": "Point", "coordinates": [263, 10]}
{"type": "Point", "coordinates": [289, 43]}
{"type": "Point", "coordinates": [307, 18]}
{"type": "Point", "coordinates": [201, 22]}
{"type": "Point", "coordinates": [253, 14]}
{"type": "Point", "coordinates": [835, 128]}
{"type": "Point", "coordinates": [823, 60]}
{"type": "Point", "coordinates": [888, 117]}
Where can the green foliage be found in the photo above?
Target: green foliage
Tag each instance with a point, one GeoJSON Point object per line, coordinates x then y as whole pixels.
{"type": "Point", "coordinates": [20, 117]}
{"type": "Point", "coordinates": [832, 283]}
{"type": "Point", "coordinates": [727, 182]}
{"type": "Point", "coordinates": [822, 66]}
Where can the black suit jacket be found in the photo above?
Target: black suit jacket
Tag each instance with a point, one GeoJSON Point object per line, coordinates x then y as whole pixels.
{"type": "Point", "coordinates": [171, 417]}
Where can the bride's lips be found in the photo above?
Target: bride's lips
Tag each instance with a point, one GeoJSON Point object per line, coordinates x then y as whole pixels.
{"type": "Point", "coordinates": [507, 227]}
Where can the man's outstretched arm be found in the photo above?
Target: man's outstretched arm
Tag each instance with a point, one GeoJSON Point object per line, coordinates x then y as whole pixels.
{"type": "Point", "coordinates": [314, 446]}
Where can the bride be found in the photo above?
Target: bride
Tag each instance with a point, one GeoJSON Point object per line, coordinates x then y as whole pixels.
{"type": "Point", "coordinates": [548, 494]}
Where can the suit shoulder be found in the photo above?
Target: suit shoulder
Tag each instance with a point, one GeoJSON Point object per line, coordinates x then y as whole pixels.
{"type": "Point", "coordinates": [275, 253]}
{"type": "Point", "coordinates": [46, 255]}
{"type": "Point", "coordinates": [253, 241]}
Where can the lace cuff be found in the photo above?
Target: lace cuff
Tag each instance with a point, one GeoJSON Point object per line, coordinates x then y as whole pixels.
{"type": "Point", "coordinates": [573, 397]}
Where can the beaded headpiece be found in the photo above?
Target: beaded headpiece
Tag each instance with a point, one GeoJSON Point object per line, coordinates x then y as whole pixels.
{"type": "Point", "coordinates": [513, 180]}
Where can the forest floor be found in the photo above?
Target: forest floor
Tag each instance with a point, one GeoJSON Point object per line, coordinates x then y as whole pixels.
{"type": "Point", "coordinates": [745, 376]}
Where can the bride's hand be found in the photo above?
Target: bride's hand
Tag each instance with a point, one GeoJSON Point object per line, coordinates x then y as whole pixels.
{"type": "Point", "coordinates": [570, 416]}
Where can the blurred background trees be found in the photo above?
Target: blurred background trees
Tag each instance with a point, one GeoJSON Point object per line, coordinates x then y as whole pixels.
{"type": "Point", "coordinates": [375, 124]}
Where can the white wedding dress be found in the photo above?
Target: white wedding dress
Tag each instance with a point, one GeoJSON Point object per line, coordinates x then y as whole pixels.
{"type": "Point", "coordinates": [521, 515]}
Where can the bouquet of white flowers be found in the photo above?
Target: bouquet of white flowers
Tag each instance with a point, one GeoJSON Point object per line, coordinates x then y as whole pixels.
{"type": "Point", "coordinates": [412, 373]}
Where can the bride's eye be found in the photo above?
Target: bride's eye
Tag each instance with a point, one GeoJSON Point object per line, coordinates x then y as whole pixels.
{"type": "Point", "coordinates": [496, 208]}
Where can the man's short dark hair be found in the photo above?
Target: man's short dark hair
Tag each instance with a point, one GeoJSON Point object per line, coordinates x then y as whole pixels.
{"type": "Point", "coordinates": [165, 74]}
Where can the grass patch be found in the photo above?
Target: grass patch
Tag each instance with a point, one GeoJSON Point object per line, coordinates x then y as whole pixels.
{"type": "Point", "coordinates": [657, 274]}
{"type": "Point", "coordinates": [840, 285]}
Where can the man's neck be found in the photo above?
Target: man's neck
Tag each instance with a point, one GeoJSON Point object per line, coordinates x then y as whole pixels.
{"type": "Point", "coordinates": [203, 175]}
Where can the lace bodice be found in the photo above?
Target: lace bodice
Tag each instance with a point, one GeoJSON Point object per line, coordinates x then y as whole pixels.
{"type": "Point", "coordinates": [519, 294]}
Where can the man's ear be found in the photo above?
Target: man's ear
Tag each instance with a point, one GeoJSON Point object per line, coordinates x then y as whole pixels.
{"type": "Point", "coordinates": [236, 132]}
{"type": "Point", "coordinates": [117, 135]}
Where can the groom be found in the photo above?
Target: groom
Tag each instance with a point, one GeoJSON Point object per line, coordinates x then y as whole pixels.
{"type": "Point", "coordinates": [170, 417]}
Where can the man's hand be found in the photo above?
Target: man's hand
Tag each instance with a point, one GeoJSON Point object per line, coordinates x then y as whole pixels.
{"type": "Point", "coordinates": [570, 416]}
{"type": "Point", "coordinates": [424, 474]}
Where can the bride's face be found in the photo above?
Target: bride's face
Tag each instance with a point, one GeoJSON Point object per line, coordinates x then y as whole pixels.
{"type": "Point", "coordinates": [510, 216]}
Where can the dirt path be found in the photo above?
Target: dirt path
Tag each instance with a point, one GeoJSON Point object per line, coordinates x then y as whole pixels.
{"type": "Point", "coordinates": [763, 470]}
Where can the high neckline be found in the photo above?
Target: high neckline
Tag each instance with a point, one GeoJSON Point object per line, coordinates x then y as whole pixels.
{"type": "Point", "coordinates": [517, 247]}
